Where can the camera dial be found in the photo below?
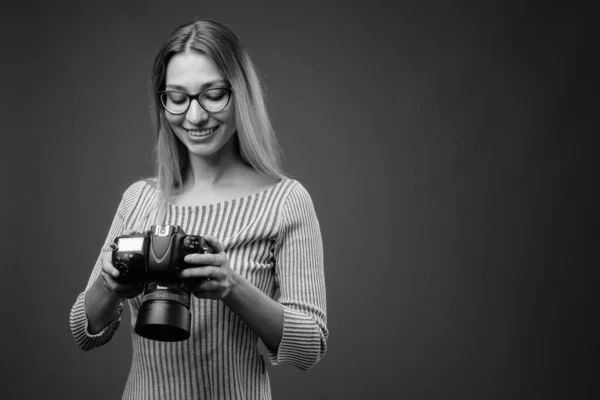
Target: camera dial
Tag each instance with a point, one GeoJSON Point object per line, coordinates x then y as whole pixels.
{"type": "Point", "coordinates": [123, 262]}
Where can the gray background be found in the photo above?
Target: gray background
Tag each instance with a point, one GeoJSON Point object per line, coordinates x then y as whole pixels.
{"type": "Point", "coordinates": [448, 148]}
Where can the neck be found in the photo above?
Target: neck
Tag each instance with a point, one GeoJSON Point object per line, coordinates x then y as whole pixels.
{"type": "Point", "coordinates": [204, 172]}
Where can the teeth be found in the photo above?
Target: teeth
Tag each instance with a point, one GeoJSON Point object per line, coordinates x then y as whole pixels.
{"type": "Point", "coordinates": [203, 132]}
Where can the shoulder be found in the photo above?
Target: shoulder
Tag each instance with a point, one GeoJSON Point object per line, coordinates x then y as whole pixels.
{"type": "Point", "coordinates": [295, 191]}
{"type": "Point", "coordinates": [143, 188]}
{"type": "Point", "coordinates": [142, 185]}
{"type": "Point", "coordinates": [296, 199]}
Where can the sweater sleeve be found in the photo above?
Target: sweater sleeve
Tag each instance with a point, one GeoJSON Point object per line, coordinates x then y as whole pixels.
{"type": "Point", "coordinates": [78, 317]}
{"type": "Point", "coordinates": [300, 276]}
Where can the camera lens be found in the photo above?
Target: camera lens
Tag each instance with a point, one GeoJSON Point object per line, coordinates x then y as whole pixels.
{"type": "Point", "coordinates": [165, 313]}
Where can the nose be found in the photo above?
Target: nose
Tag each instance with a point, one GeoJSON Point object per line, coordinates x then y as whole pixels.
{"type": "Point", "coordinates": [196, 114]}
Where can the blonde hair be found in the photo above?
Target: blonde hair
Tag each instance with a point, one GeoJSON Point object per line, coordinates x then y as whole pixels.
{"type": "Point", "coordinates": [257, 142]}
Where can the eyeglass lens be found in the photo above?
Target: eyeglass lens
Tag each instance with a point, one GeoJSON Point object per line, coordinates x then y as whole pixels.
{"type": "Point", "coordinates": [212, 100]}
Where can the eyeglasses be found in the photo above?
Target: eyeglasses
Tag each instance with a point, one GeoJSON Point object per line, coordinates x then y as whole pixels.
{"type": "Point", "coordinates": [211, 100]}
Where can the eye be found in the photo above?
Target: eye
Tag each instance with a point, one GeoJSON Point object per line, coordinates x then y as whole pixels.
{"type": "Point", "coordinates": [215, 94]}
{"type": "Point", "coordinates": [176, 98]}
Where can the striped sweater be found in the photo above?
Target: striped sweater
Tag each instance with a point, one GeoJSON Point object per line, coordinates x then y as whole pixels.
{"type": "Point", "coordinates": [272, 238]}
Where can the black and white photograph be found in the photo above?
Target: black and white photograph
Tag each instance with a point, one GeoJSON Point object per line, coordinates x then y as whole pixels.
{"type": "Point", "coordinates": [292, 200]}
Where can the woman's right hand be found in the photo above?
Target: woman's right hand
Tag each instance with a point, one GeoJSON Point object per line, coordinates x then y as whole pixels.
{"type": "Point", "coordinates": [110, 274]}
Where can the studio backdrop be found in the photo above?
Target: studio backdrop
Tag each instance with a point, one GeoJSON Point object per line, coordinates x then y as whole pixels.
{"type": "Point", "coordinates": [447, 147]}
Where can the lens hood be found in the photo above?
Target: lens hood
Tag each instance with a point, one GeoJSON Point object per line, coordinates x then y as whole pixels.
{"type": "Point", "coordinates": [163, 320]}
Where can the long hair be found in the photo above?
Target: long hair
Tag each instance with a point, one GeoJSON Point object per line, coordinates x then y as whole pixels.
{"type": "Point", "coordinates": [257, 142]}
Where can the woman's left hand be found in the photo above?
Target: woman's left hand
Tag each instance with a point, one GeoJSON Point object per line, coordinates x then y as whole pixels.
{"type": "Point", "coordinates": [208, 275]}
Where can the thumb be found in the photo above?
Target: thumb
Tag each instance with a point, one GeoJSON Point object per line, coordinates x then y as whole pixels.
{"type": "Point", "coordinates": [214, 243]}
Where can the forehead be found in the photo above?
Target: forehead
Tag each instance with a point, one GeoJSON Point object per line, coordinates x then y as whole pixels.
{"type": "Point", "coordinates": [191, 70]}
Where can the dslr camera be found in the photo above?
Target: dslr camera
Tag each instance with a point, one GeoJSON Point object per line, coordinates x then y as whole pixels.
{"type": "Point", "coordinates": [155, 257]}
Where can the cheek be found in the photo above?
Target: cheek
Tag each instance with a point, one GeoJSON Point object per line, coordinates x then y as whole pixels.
{"type": "Point", "coordinates": [173, 119]}
{"type": "Point", "coordinates": [231, 129]}
{"type": "Point", "coordinates": [229, 119]}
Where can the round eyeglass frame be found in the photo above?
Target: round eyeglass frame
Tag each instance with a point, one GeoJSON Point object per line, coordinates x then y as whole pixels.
{"type": "Point", "coordinates": [194, 97]}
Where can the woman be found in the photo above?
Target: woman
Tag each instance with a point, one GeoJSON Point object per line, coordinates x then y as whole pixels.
{"type": "Point", "coordinates": [218, 177]}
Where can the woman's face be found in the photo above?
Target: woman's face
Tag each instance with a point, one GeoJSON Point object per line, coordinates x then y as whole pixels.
{"type": "Point", "coordinates": [203, 133]}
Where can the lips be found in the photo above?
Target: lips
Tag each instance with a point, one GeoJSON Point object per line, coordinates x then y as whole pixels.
{"type": "Point", "coordinates": [201, 133]}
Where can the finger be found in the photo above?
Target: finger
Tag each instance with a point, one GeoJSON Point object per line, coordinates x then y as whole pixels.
{"type": "Point", "coordinates": [206, 289]}
{"type": "Point", "coordinates": [206, 294]}
{"type": "Point", "coordinates": [127, 290]}
{"type": "Point", "coordinates": [130, 291]}
{"type": "Point", "coordinates": [109, 281]}
{"type": "Point", "coordinates": [206, 259]}
{"type": "Point", "coordinates": [202, 284]}
{"type": "Point", "coordinates": [107, 265]}
{"type": "Point", "coordinates": [115, 284]}
{"type": "Point", "coordinates": [214, 243]}
{"type": "Point", "coordinates": [208, 272]}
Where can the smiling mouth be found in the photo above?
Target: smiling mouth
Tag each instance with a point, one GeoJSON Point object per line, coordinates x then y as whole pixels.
{"type": "Point", "coordinates": [204, 132]}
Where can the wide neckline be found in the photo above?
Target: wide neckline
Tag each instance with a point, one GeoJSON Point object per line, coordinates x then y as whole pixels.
{"type": "Point", "coordinates": [228, 201]}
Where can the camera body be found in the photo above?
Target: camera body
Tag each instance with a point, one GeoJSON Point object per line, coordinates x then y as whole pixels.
{"type": "Point", "coordinates": [155, 257]}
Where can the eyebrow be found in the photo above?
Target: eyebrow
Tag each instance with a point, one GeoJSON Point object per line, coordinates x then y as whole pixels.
{"type": "Point", "coordinates": [207, 85]}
